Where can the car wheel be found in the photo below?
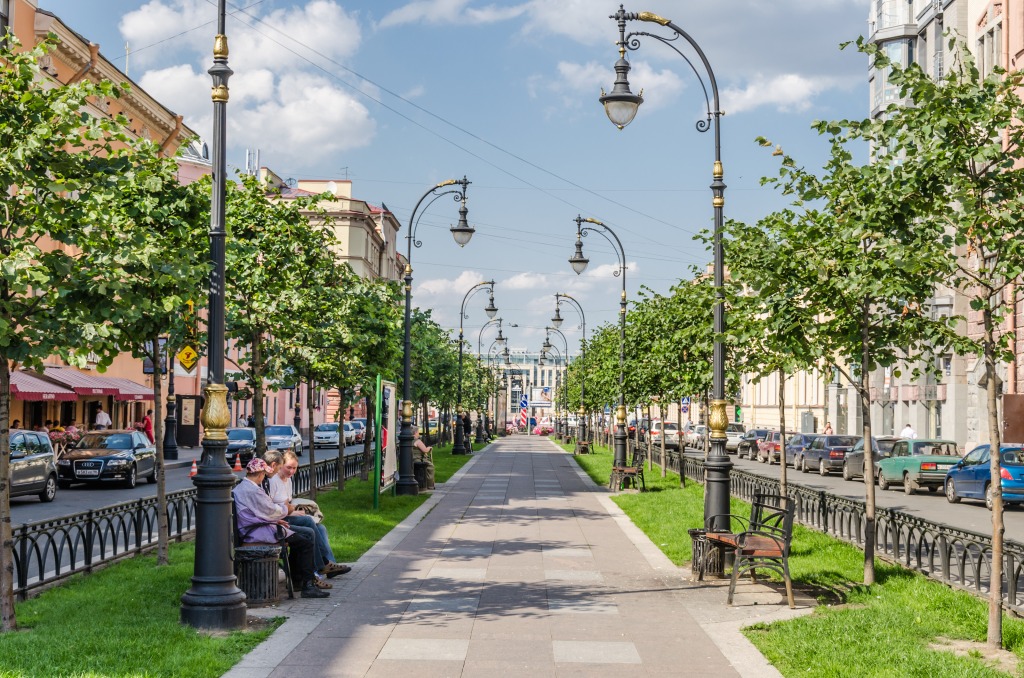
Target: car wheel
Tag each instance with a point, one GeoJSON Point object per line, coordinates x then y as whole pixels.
{"type": "Point", "coordinates": [132, 479]}
{"type": "Point", "coordinates": [63, 484]}
{"type": "Point", "coordinates": [49, 490]}
{"type": "Point", "coordinates": [152, 476]}
{"type": "Point", "coordinates": [989, 500]}
{"type": "Point", "coordinates": [847, 474]}
{"type": "Point", "coordinates": [951, 495]}
{"type": "Point", "coordinates": [298, 450]}
{"type": "Point", "coordinates": [908, 485]}
{"type": "Point", "coordinates": [883, 484]}
{"type": "Point", "coordinates": [822, 471]}
{"type": "Point", "coordinates": [803, 465]}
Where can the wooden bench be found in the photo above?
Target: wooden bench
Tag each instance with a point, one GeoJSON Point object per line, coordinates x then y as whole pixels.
{"type": "Point", "coordinates": [622, 475]}
{"type": "Point", "coordinates": [762, 542]}
{"type": "Point", "coordinates": [582, 447]}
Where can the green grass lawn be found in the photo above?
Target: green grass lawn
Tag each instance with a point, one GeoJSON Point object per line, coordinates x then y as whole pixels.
{"type": "Point", "coordinates": [446, 464]}
{"type": "Point", "coordinates": [881, 630]}
{"type": "Point", "coordinates": [123, 620]}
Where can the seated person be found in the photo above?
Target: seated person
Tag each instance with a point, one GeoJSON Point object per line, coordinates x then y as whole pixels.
{"type": "Point", "coordinates": [261, 521]}
{"type": "Point", "coordinates": [423, 453]}
{"type": "Point", "coordinates": [281, 494]}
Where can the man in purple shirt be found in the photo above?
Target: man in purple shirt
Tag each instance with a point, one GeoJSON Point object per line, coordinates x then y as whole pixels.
{"type": "Point", "coordinates": [262, 521]}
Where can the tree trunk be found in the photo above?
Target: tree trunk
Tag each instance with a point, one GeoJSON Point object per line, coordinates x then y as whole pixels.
{"type": "Point", "coordinates": [163, 530]}
{"type": "Point", "coordinates": [682, 445]}
{"type": "Point", "coordinates": [995, 600]}
{"type": "Point", "coordinates": [783, 486]}
{"type": "Point", "coordinates": [312, 448]}
{"type": "Point", "coordinates": [869, 452]}
{"type": "Point", "coordinates": [257, 397]}
{"type": "Point", "coordinates": [664, 420]}
{"type": "Point", "coordinates": [8, 620]}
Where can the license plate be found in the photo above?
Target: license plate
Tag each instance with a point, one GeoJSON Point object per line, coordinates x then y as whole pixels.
{"type": "Point", "coordinates": [87, 472]}
{"type": "Point", "coordinates": [945, 467]}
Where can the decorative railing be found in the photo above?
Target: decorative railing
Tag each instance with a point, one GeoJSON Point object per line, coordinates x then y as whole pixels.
{"type": "Point", "coordinates": [956, 557]}
{"type": "Point", "coordinates": [48, 551]}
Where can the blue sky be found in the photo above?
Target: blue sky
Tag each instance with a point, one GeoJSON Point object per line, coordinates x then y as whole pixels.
{"type": "Point", "coordinates": [397, 96]}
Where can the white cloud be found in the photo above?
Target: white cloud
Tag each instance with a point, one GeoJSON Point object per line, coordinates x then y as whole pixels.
{"type": "Point", "coordinates": [446, 286]}
{"type": "Point", "coordinates": [576, 81]}
{"type": "Point", "coordinates": [449, 12]}
{"type": "Point", "coordinates": [787, 92]}
{"type": "Point", "coordinates": [279, 102]}
{"type": "Point", "coordinates": [527, 280]}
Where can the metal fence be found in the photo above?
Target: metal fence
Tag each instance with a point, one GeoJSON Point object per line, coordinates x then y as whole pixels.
{"type": "Point", "coordinates": [959, 558]}
{"type": "Point", "coordinates": [48, 551]}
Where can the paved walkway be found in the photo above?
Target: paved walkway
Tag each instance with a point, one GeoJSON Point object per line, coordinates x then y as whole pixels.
{"type": "Point", "coordinates": [518, 566]}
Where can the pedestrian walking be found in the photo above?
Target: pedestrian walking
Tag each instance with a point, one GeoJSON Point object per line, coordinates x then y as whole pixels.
{"type": "Point", "coordinates": [102, 420]}
{"type": "Point", "coordinates": [908, 432]}
{"type": "Point", "coordinates": [147, 426]}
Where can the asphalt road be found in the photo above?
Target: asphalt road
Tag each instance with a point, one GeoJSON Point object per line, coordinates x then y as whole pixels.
{"type": "Point", "coordinates": [81, 498]}
{"type": "Point", "coordinates": [967, 515]}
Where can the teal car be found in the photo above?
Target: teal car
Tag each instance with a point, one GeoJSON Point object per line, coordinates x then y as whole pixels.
{"type": "Point", "coordinates": [918, 464]}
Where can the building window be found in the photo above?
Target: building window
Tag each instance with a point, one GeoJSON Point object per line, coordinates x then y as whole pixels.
{"type": "Point", "coordinates": [5, 19]}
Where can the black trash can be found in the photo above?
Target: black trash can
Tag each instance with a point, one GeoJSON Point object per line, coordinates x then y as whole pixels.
{"type": "Point", "coordinates": [256, 570]}
{"type": "Point", "coordinates": [707, 558]}
{"type": "Point", "coordinates": [419, 471]}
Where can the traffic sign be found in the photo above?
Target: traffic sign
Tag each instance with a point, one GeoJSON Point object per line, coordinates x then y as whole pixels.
{"type": "Point", "coordinates": [685, 408]}
{"type": "Point", "coordinates": [188, 357]}
{"type": "Point", "coordinates": [524, 402]}
{"type": "Point", "coordinates": [685, 400]}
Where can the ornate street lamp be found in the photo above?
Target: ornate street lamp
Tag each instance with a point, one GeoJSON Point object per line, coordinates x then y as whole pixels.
{"type": "Point", "coordinates": [214, 600]}
{"type": "Point", "coordinates": [562, 425]}
{"type": "Point", "coordinates": [621, 106]}
{"type": "Point", "coordinates": [481, 420]}
{"type": "Point", "coordinates": [462, 232]}
{"type": "Point", "coordinates": [579, 264]}
{"type": "Point", "coordinates": [460, 447]}
{"type": "Point", "coordinates": [581, 424]}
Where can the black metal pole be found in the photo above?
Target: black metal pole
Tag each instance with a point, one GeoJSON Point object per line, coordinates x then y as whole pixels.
{"type": "Point", "coordinates": [407, 484]}
{"type": "Point", "coordinates": [214, 601]}
{"type": "Point", "coordinates": [170, 421]}
{"type": "Point", "coordinates": [581, 424]}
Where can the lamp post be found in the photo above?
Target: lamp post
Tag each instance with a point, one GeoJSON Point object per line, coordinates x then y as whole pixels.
{"type": "Point", "coordinates": [621, 106]}
{"type": "Point", "coordinates": [499, 340]}
{"type": "Point", "coordinates": [460, 447]}
{"type": "Point", "coordinates": [579, 264]}
{"type": "Point", "coordinates": [556, 321]}
{"type": "Point", "coordinates": [170, 421]}
{"type": "Point", "coordinates": [562, 424]}
{"type": "Point", "coordinates": [462, 232]}
{"type": "Point", "coordinates": [214, 601]}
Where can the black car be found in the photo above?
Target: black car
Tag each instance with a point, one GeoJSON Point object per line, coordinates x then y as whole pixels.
{"type": "Point", "coordinates": [853, 465]}
{"type": "Point", "coordinates": [241, 442]}
{"type": "Point", "coordinates": [108, 456]}
{"type": "Point", "coordinates": [827, 453]}
{"type": "Point", "coordinates": [747, 446]}
{"type": "Point", "coordinates": [32, 468]}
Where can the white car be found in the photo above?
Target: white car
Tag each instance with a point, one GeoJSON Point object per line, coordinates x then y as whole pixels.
{"type": "Point", "coordinates": [694, 437]}
{"type": "Point", "coordinates": [350, 434]}
{"type": "Point", "coordinates": [733, 435]}
{"type": "Point", "coordinates": [283, 438]}
{"type": "Point", "coordinates": [326, 435]}
{"type": "Point", "coordinates": [671, 433]}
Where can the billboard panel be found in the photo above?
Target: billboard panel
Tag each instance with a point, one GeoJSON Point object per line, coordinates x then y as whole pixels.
{"type": "Point", "coordinates": [542, 396]}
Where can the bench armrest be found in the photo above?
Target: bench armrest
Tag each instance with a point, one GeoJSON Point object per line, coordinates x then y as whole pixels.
{"type": "Point", "coordinates": [743, 521]}
{"type": "Point", "coordinates": [756, 535]}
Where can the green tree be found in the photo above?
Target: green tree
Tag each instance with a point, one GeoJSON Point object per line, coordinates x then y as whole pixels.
{"type": "Point", "coordinates": [964, 148]}
{"type": "Point", "coordinates": [62, 171]}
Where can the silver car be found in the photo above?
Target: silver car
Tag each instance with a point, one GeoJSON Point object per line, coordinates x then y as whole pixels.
{"type": "Point", "coordinates": [326, 435]}
{"type": "Point", "coordinates": [284, 438]}
{"type": "Point", "coordinates": [32, 465]}
{"type": "Point", "coordinates": [733, 436]}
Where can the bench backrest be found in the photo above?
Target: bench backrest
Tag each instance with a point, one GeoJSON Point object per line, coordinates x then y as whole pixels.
{"type": "Point", "coordinates": [639, 453]}
{"type": "Point", "coordinates": [773, 514]}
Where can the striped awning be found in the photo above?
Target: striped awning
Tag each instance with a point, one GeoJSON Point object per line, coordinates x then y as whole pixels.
{"type": "Point", "coordinates": [81, 383]}
{"type": "Point", "coordinates": [30, 387]}
{"type": "Point", "coordinates": [130, 390]}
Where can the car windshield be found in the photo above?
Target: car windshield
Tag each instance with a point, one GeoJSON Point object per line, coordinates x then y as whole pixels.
{"type": "Point", "coordinates": [841, 441]}
{"type": "Point", "coordinates": [886, 445]}
{"type": "Point", "coordinates": [113, 441]}
{"type": "Point", "coordinates": [241, 434]}
{"type": "Point", "coordinates": [942, 449]}
{"type": "Point", "coordinates": [326, 428]}
{"type": "Point", "coordinates": [349, 427]}
{"type": "Point", "coordinates": [1013, 456]}
{"type": "Point", "coordinates": [279, 430]}
{"type": "Point", "coordinates": [734, 428]}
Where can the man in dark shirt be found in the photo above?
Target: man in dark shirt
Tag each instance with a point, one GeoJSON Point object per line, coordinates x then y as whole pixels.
{"type": "Point", "coordinates": [260, 520]}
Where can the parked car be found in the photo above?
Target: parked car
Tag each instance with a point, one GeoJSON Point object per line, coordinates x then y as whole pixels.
{"type": "Point", "coordinates": [241, 441]}
{"type": "Point", "coordinates": [747, 446]}
{"type": "Point", "coordinates": [284, 437]}
{"type": "Point", "coordinates": [826, 453]}
{"type": "Point", "coordinates": [366, 426]}
{"type": "Point", "coordinates": [326, 435]}
{"type": "Point", "coordinates": [918, 463]}
{"type": "Point", "coordinates": [432, 427]}
{"type": "Point", "coordinates": [108, 456]}
{"type": "Point", "coordinates": [32, 466]}
{"type": "Point", "coordinates": [769, 450]}
{"type": "Point", "coordinates": [669, 429]}
{"type": "Point", "coordinates": [796, 445]}
{"type": "Point", "coordinates": [733, 434]}
{"type": "Point", "coordinates": [349, 431]}
{"type": "Point", "coordinates": [853, 465]}
{"type": "Point", "coordinates": [360, 428]}
{"type": "Point", "coordinates": [694, 438]}
{"type": "Point", "coordinates": [970, 478]}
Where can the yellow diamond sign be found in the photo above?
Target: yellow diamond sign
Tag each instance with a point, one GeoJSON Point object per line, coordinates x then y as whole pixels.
{"type": "Point", "coordinates": [188, 357]}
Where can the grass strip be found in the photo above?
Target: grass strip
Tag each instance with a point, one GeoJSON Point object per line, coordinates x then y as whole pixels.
{"type": "Point", "coordinates": [123, 620]}
{"type": "Point", "coordinates": [883, 630]}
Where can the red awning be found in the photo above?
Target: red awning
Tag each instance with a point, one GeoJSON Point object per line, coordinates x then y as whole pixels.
{"type": "Point", "coordinates": [81, 383]}
{"type": "Point", "coordinates": [129, 390]}
{"type": "Point", "coordinates": [29, 386]}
